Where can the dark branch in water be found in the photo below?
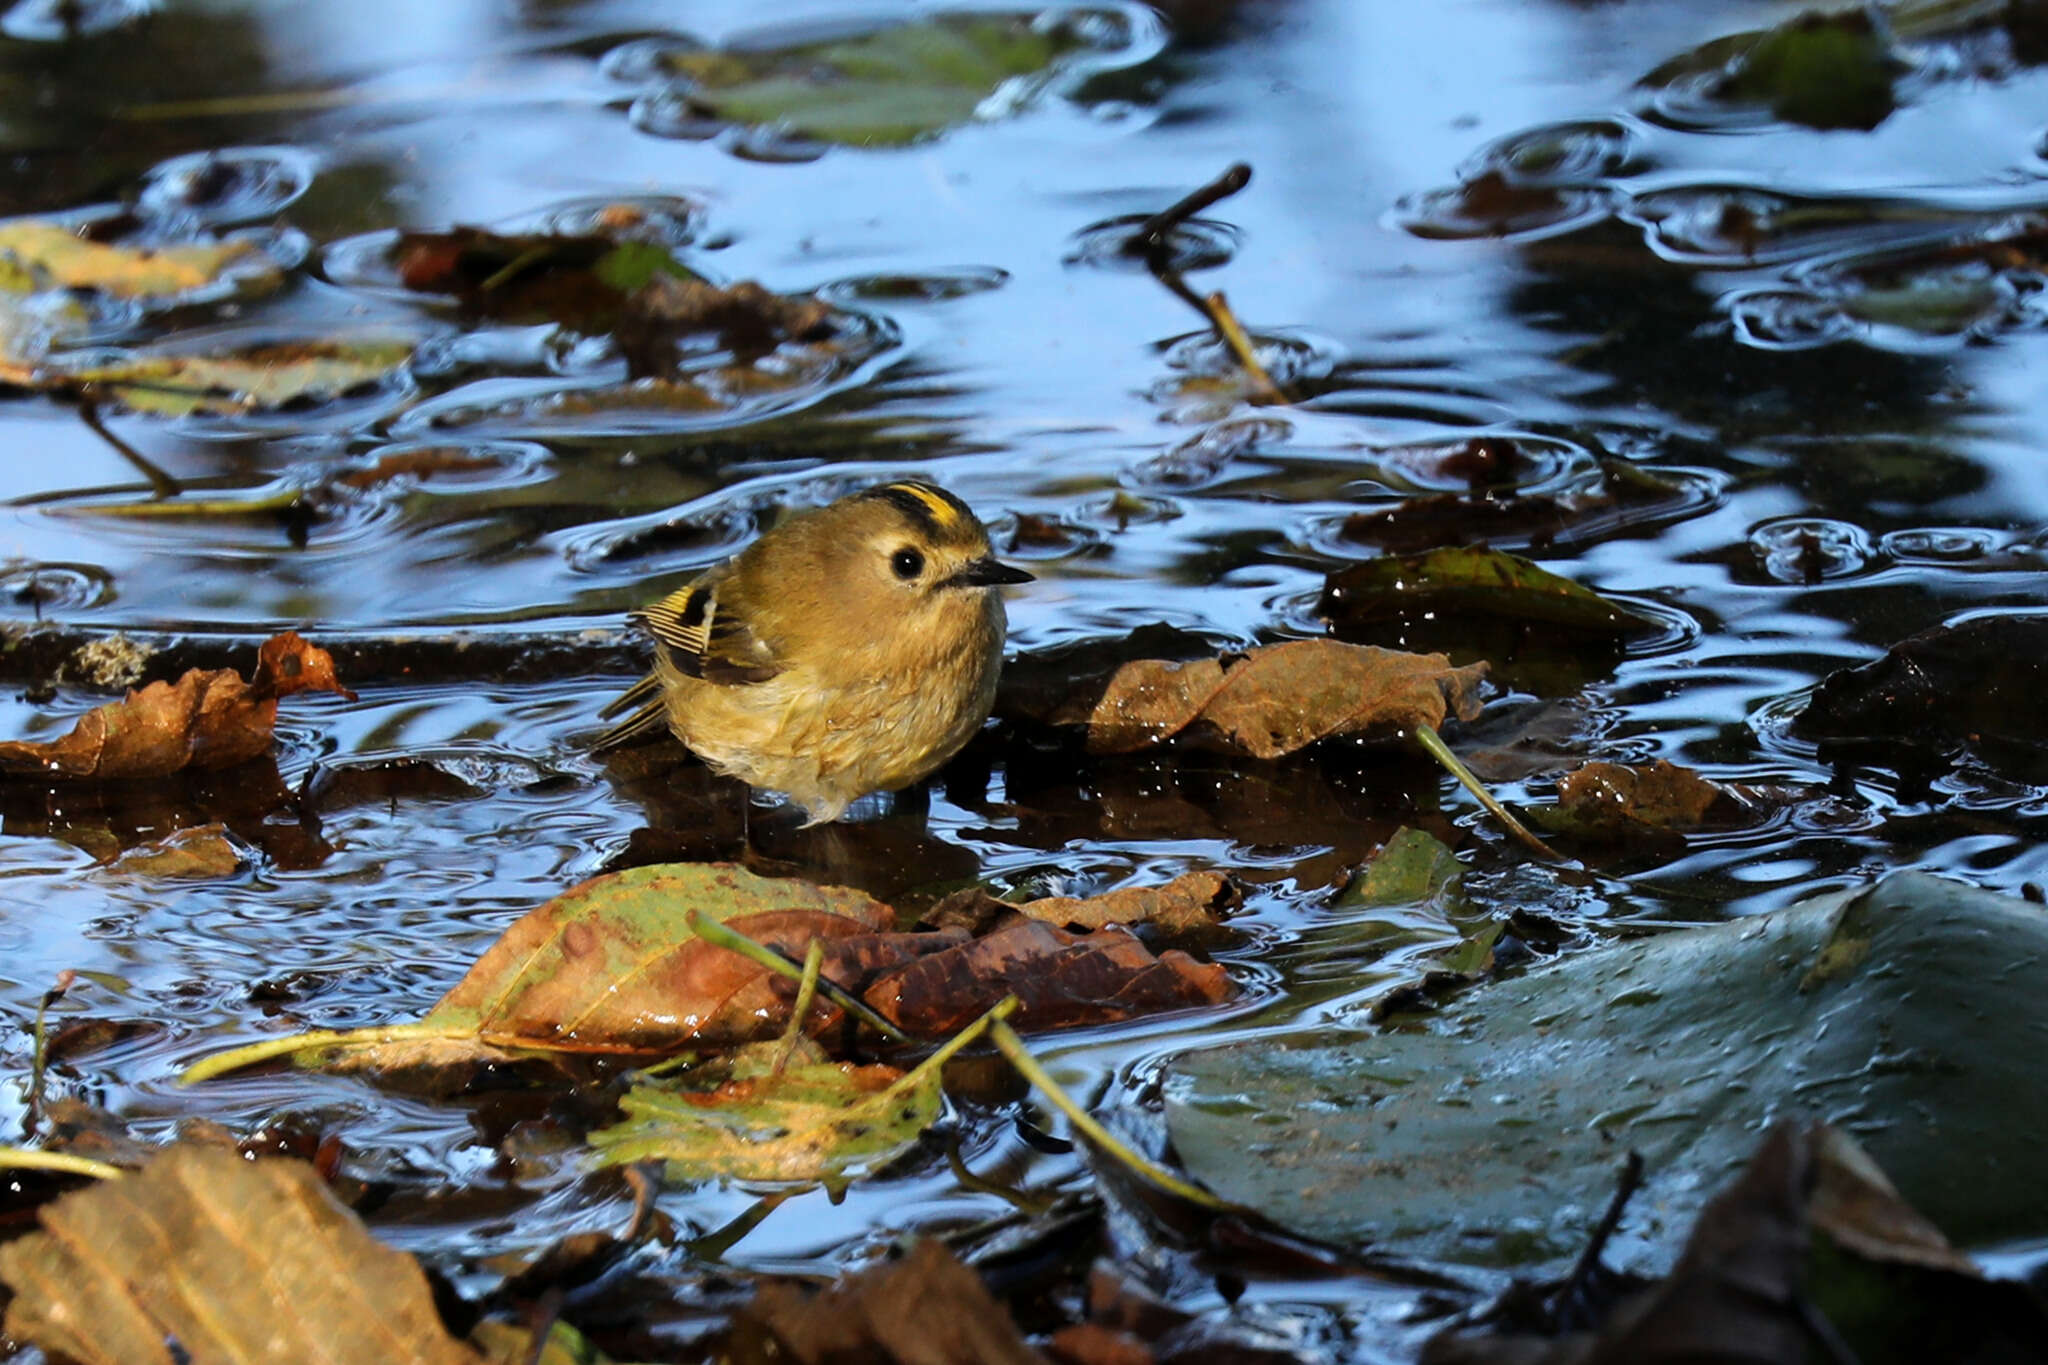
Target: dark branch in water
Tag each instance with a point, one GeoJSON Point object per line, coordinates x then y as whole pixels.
{"type": "Point", "coordinates": [1150, 239]}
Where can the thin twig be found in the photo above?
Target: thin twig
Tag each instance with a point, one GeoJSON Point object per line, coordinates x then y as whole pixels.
{"type": "Point", "coordinates": [1433, 744]}
{"type": "Point", "coordinates": [64, 1163]}
{"type": "Point", "coordinates": [1011, 1046]}
{"type": "Point", "coordinates": [1217, 309]}
{"type": "Point", "coordinates": [164, 484]}
{"type": "Point", "coordinates": [1625, 1187]}
{"type": "Point", "coordinates": [1151, 235]}
{"type": "Point", "coordinates": [39, 1065]}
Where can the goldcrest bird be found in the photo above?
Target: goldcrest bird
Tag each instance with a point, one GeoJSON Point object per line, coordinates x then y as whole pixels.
{"type": "Point", "coordinates": [852, 649]}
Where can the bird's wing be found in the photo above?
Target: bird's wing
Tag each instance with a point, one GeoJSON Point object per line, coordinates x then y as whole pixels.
{"type": "Point", "coordinates": [704, 642]}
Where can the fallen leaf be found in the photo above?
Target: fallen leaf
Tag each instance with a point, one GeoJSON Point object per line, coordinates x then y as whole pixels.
{"type": "Point", "coordinates": [52, 255]}
{"type": "Point", "coordinates": [1271, 701]}
{"type": "Point", "coordinates": [1061, 979]}
{"type": "Point", "coordinates": [926, 1309]}
{"type": "Point", "coordinates": [807, 1120]}
{"type": "Point", "coordinates": [1470, 581]}
{"type": "Point", "coordinates": [1619, 801]}
{"type": "Point", "coordinates": [177, 383]}
{"type": "Point", "coordinates": [213, 1259]}
{"type": "Point", "coordinates": [205, 720]}
{"type": "Point", "coordinates": [201, 851]}
{"type": "Point", "coordinates": [1194, 900]}
{"type": "Point", "coordinates": [420, 463]}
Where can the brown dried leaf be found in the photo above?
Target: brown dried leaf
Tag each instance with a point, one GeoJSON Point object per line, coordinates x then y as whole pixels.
{"type": "Point", "coordinates": [206, 1257]}
{"type": "Point", "coordinates": [1273, 700]}
{"type": "Point", "coordinates": [1619, 800]}
{"type": "Point", "coordinates": [927, 1309]}
{"type": "Point", "coordinates": [1195, 900]}
{"type": "Point", "coordinates": [205, 720]}
{"type": "Point", "coordinates": [1059, 978]}
{"type": "Point", "coordinates": [201, 851]}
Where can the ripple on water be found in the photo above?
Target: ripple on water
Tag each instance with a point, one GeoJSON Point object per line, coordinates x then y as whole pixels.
{"type": "Point", "coordinates": [1807, 550]}
{"type": "Point", "coordinates": [1115, 244]}
{"type": "Point", "coordinates": [226, 185]}
{"type": "Point", "coordinates": [36, 588]}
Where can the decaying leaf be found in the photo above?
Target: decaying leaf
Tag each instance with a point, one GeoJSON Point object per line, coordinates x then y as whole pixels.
{"type": "Point", "coordinates": [1268, 702]}
{"type": "Point", "coordinates": [613, 965]}
{"type": "Point", "coordinates": [52, 255]}
{"type": "Point", "coordinates": [200, 851]}
{"type": "Point", "coordinates": [205, 720]}
{"type": "Point", "coordinates": [1060, 978]}
{"type": "Point", "coordinates": [1622, 801]}
{"type": "Point", "coordinates": [177, 383]}
{"type": "Point", "coordinates": [209, 1258]}
{"type": "Point", "coordinates": [926, 1309]}
{"type": "Point", "coordinates": [1194, 900]}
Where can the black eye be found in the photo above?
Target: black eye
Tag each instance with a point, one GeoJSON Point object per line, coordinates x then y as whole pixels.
{"type": "Point", "coordinates": [907, 563]}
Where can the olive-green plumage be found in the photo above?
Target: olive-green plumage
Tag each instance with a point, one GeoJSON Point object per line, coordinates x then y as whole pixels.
{"type": "Point", "coordinates": [852, 649]}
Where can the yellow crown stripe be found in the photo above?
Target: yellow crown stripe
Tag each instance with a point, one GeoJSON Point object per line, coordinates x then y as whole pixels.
{"type": "Point", "coordinates": [944, 514]}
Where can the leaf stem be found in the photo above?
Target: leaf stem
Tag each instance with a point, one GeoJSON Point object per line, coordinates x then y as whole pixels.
{"type": "Point", "coordinates": [1000, 1011]}
{"type": "Point", "coordinates": [1217, 309]}
{"type": "Point", "coordinates": [32, 1159]}
{"type": "Point", "coordinates": [732, 940]}
{"type": "Point", "coordinates": [1012, 1047]}
{"type": "Point", "coordinates": [234, 1059]}
{"type": "Point", "coordinates": [1433, 744]}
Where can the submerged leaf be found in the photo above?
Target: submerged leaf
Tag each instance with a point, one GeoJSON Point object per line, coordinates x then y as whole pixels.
{"type": "Point", "coordinates": [1268, 702]}
{"type": "Point", "coordinates": [210, 1258]}
{"type": "Point", "coordinates": [205, 720]}
{"type": "Point", "coordinates": [1487, 1134]}
{"type": "Point", "coordinates": [1617, 801]}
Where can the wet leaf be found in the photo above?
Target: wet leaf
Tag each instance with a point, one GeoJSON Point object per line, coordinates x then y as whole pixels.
{"type": "Point", "coordinates": [582, 280]}
{"type": "Point", "coordinates": [1488, 1134]}
{"type": "Point", "coordinates": [613, 965]}
{"type": "Point", "coordinates": [178, 383]}
{"type": "Point", "coordinates": [1268, 702]}
{"type": "Point", "coordinates": [202, 851]}
{"type": "Point", "coordinates": [1194, 900]}
{"type": "Point", "coordinates": [1617, 801]}
{"type": "Point", "coordinates": [46, 255]}
{"type": "Point", "coordinates": [1824, 70]}
{"type": "Point", "coordinates": [1061, 979]}
{"type": "Point", "coordinates": [926, 1309]}
{"type": "Point", "coordinates": [205, 720]}
{"type": "Point", "coordinates": [210, 1258]}
{"type": "Point", "coordinates": [885, 88]}
{"type": "Point", "coordinates": [1972, 683]}
{"type": "Point", "coordinates": [1466, 582]}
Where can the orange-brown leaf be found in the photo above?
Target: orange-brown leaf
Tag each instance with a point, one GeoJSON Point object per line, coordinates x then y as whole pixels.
{"type": "Point", "coordinates": [207, 719]}
{"type": "Point", "coordinates": [1272, 700]}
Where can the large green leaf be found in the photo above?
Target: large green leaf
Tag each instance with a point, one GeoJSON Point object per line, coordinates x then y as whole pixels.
{"type": "Point", "coordinates": [1909, 1014]}
{"type": "Point", "coordinates": [884, 88]}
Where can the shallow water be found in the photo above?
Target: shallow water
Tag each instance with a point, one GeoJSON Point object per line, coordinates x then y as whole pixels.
{"type": "Point", "coordinates": [1466, 220]}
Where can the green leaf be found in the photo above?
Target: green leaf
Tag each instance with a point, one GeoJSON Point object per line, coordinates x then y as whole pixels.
{"type": "Point", "coordinates": [885, 88]}
{"type": "Point", "coordinates": [1821, 70]}
{"type": "Point", "coordinates": [1471, 581]}
{"type": "Point", "coordinates": [1489, 1131]}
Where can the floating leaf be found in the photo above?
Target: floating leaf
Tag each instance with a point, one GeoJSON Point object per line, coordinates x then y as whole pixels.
{"type": "Point", "coordinates": [1824, 70]}
{"type": "Point", "coordinates": [613, 965]}
{"type": "Point", "coordinates": [1470, 581]}
{"type": "Point", "coordinates": [885, 88]}
{"type": "Point", "coordinates": [39, 255]}
{"type": "Point", "coordinates": [1265, 703]}
{"type": "Point", "coordinates": [1488, 1135]}
{"type": "Point", "coordinates": [177, 383]}
{"type": "Point", "coordinates": [205, 720]}
{"type": "Point", "coordinates": [1062, 979]}
{"type": "Point", "coordinates": [1191, 901]}
{"type": "Point", "coordinates": [207, 1257]}
{"type": "Point", "coordinates": [1619, 801]}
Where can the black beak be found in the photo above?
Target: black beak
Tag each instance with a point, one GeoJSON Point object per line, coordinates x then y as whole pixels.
{"type": "Point", "coordinates": [985, 572]}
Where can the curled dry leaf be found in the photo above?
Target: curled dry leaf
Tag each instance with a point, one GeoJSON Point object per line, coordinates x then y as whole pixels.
{"type": "Point", "coordinates": [1270, 701]}
{"type": "Point", "coordinates": [1194, 900]}
{"type": "Point", "coordinates": [1060, 979]}
{"type": "Point", "coordinates": [207, 719]}
{"type": "Point", "coordinates": [207, 1257]}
